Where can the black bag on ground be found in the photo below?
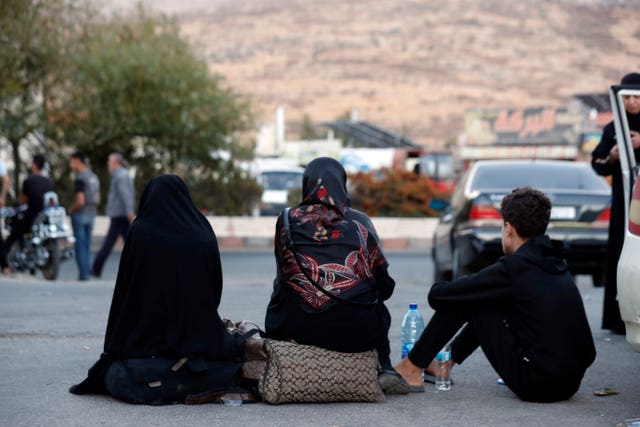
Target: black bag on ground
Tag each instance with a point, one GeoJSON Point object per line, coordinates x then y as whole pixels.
{"type": "Point", "coordinates": [156, 381]}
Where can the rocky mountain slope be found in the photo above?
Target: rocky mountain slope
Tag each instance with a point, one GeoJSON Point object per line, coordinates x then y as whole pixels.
{"type": "Point", "coordinates": [413, 65]}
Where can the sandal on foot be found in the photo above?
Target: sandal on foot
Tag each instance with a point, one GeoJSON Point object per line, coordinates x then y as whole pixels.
{"type": "Point", "coordinates": [416, 388]}
{"type": "Point", "coordinates": [392, 382]}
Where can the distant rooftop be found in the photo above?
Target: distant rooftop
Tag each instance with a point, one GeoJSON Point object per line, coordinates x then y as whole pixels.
{"type": "Point", "coordinates": [599, 101]}
{"type": "Point", "coordinates": [364, 134]}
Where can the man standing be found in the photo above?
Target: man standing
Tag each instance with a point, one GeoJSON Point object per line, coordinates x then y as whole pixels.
{"type": "Point", "coordinates": [605, 160]}
{"type": "Point", "coordinates": [33, 191]}
{"type": "Point", "coordinates": [83, 211]}
{"type": "Point", "coordinates": [5, 182]}
{"type": "Point", "coordinates": [119, 209]}
{"type": "Point", "coordinates": [524, 311]}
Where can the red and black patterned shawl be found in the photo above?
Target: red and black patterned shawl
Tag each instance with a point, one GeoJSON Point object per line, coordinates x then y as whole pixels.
{"type": "Point", "coordinates": [336, 245]}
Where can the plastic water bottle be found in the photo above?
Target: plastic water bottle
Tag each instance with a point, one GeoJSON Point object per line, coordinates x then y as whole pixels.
{"type": "Point", "coordinates": [412, 327]}
{"type": "Point", "coordinates": [443, 383]}
{"type": "Point", "coordinates": [231, 402]}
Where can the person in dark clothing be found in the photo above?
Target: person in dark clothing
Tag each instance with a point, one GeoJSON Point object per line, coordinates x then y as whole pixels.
{"type": "Point", "coordinates": [332, 277]}
{"type": "Point", "coordinates": [606, 162]}
{"type": "Point", "coordinates": [165, 306]}
{"type": "Point", "coordinates": [524, 311]}
{"type": "Point", "coordinates": [33, 190]}
{"type": "Point", "coordinates": [120, 204]}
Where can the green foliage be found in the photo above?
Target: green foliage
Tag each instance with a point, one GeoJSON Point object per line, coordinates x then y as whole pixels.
{"type": "Point", "coordinates": [135, 86]}
{"type": "Point", "coordinates": [31, 53]}
{"type": "Point", "coordinates": [294, 197]}
{"type": "Point", "coordinates": [227, 192]}
{"type": "Point", "coordinates": [309, 130]}
{"type": "Point", "coordinates": [126, 83]}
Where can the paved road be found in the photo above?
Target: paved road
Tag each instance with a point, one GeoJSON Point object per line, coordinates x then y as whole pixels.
{"type": "Point", "coordinates": [50, 333]}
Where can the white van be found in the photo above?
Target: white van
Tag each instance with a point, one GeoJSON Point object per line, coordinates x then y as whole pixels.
{"type": "Point", "coordinates": [278, 181]}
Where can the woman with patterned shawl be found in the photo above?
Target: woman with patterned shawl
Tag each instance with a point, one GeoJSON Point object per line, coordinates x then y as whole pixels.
{"type": "Point", "coordinates": [332, 277]}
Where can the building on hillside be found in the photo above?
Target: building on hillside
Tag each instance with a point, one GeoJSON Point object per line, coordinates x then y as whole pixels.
{"type": "Point", "coordinates": [272, 143]}
{"type": "Point", "coordinates": [542, 132]}
{"type": "Point", "coordinates": [361, 134]}
{"type": "Point", "coordinates": [570, 132]}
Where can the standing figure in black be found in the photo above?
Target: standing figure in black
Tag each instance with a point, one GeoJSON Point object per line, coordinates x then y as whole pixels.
{"type": "Point", "coordinates": [32, 194]}
{"type": "Point", "coordinates": [606, 162]}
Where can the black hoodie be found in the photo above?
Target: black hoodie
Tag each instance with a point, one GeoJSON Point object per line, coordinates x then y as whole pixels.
{"type": "Point", "coordinates": [540, 302]}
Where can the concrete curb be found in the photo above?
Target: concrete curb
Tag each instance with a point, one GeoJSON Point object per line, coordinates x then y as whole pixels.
{"type": "Point", "coordinates": [256, 233]}
{"type": "Point", "coordinates": [266, 244]}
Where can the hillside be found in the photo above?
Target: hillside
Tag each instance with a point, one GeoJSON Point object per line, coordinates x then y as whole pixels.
{"type": "Point", "coordinates": [416, 65]}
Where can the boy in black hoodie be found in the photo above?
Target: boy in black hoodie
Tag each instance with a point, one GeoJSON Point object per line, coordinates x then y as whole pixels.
{"type": "Point", "coordinates": [524, 311]}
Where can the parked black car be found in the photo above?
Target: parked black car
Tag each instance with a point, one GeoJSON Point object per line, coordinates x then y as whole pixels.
{"type": "Point", "coordinates": [468, 235]}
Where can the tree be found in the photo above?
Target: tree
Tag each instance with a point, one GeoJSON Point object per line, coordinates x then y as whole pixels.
{"type": "Point", "coordinates": [31, 40]}
{"type": "Point", "coordinates": [308, 130]}
{"type": "Point", "coordinates": [133, 85]}
{"type": "Point", "coordinates": [229, 191]}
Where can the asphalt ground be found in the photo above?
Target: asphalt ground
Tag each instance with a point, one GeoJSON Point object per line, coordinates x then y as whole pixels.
{"type": "Point", "coordinates": [52, 332]}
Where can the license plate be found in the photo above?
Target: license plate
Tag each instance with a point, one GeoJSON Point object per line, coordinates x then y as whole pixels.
{"type": "Point", "coordinates": [563, 212]}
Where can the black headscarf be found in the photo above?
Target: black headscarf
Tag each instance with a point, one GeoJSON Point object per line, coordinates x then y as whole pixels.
{"type": "Point", "coordinates": [325, 183]}
{"type": "Point", "coordinates": [632, 119]}
{"type": "Point", "coordinates": [336, 245]}
{"type": "Point", "coordinates": [168, 287]}
{"type": "Point", "coordinates": [630, 79]}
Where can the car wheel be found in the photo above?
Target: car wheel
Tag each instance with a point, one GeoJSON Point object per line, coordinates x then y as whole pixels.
{"type": "Point", "coordinates": [458, 269]}
{"type": "Point", "coordinates": [13, 257]}
{"type": "Point", "coordinates": [439, 275]}
{"type": "Point", "coordinates": [597, 277]}
{"type": "Point", "coordinates": [50, 271]}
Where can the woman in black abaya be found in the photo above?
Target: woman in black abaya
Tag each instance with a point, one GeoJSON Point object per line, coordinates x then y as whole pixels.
{"type": "Point", "coordinates": [606, 161]}
{"type": "Point", "coordinates": [164, 338]}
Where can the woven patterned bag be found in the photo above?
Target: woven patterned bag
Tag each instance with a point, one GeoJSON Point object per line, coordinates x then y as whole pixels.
{"type": "Point", "coordinates": [302, 373]}
{"type": "Point", "coordinates": [255, 359]}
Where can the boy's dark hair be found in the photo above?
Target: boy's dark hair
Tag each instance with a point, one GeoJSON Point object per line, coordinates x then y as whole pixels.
{"type": "Point", "coordinates": [39, 161]}
{"type": "Point", "coordinates": [80, 156]}
{"type": "Point", "coordinates": [528, 210]}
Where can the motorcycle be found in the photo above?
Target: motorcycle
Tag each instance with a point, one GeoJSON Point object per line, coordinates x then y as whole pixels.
{"type": "Point", "coordinates": [47, 245]}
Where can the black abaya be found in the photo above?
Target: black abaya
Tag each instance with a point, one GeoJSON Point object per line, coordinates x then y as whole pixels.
{"type": "Point", "coordinates": [611, 312]}
{"type": "Point", "coordinates": [168, 288]}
